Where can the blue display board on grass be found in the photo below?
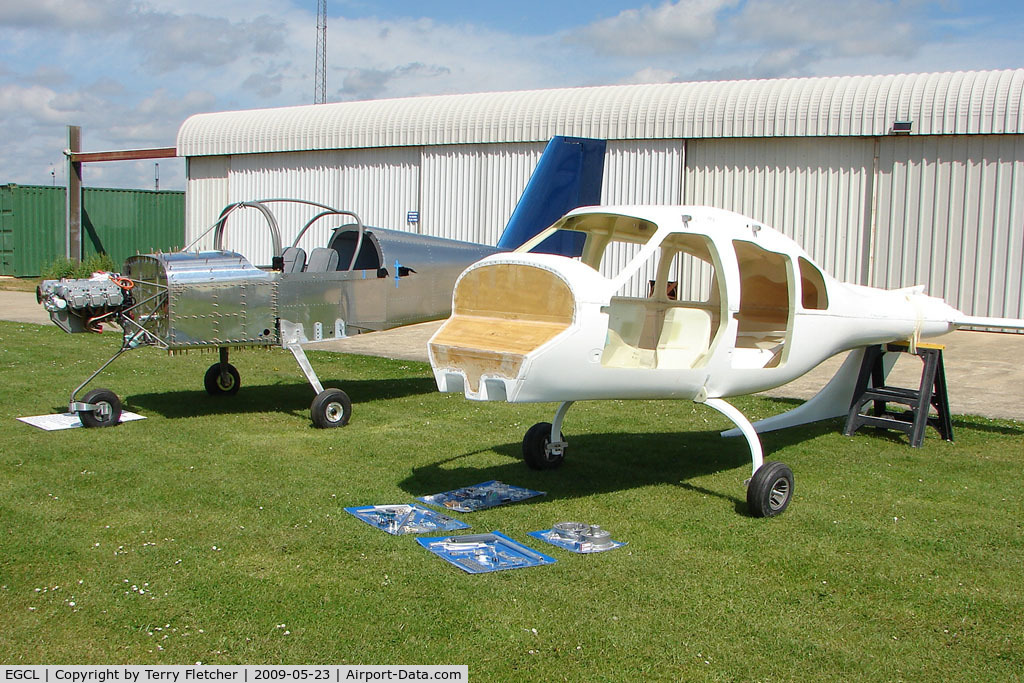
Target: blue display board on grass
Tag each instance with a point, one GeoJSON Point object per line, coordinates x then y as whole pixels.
{"type": "Point", "coordinates": [481, 496]}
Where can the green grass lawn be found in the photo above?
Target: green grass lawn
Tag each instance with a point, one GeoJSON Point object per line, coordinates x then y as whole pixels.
{"type": "Point", "coordinates": [214, 531]}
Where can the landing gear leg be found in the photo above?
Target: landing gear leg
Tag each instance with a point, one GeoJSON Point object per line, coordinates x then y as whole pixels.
{"type": "Point", "coordinates": [99, 407]}
{"type": "Point", "coordinates": [544, 445]}
{"type": "Point", "coordinates": [770, 487]}
{"type": "Point", "coordinates": [331, 407]}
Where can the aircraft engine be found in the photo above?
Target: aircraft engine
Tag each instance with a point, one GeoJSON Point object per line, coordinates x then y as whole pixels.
{"type": "Point", "coordinates": [74, 305]}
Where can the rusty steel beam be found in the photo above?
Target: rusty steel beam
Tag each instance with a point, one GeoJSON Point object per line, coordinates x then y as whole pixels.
{"type": "Point", "coordinates": [123, 155]}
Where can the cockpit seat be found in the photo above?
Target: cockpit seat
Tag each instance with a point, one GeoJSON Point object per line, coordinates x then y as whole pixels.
{"type": "Point", "coordinates": [625, 326]}
{"type": "Point", "coordinates": [322, 260]}
{"type": "Point", "coordinates": [294, 259]}
{"type": "Point", "coordinates": [685, 337]}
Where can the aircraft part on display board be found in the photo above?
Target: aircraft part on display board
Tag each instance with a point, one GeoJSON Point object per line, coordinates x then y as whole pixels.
{"type": "Point", "coordinates": [669, 302]}
{"type": "Point", "coordinates": [363, 279]}
{"type": "Point", "coordinates": [405, 519]}
{"type": "Point", "coordinates": [481, 553]}
{"type": "Point", "coordinates": [578, 537]}
{"type": "Point", "coordinates": [481, 496]}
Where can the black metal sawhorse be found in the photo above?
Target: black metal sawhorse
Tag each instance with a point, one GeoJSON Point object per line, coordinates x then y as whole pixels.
{"type": "Point", "coordinates": [931, 393]}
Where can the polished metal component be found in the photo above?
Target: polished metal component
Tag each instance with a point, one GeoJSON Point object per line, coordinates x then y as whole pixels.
{"type": "Point", "coordinates": [589, 536]}
{"type": "Point", "coordinates": [597, 537]}
{"type": "Point", "coordinates": [213, 299]}
{"type": "Point", "coordinates": [570, 531]}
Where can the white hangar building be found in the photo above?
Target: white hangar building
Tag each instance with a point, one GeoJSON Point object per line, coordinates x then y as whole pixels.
{"type": "Point", "coordinates": [885, 180]}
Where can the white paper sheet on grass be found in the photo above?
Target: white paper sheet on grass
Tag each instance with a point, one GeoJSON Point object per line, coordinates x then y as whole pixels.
{"type": "Point", "coordinates": [52, 423]}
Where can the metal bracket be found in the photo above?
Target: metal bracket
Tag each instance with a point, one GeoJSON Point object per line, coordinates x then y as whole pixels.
{"type": "Point", "coordinates": [556, 447]}
{"type": "Point", "coordinates": [102, 410]}
{"type": "Point", "coordinates": [292, 336]}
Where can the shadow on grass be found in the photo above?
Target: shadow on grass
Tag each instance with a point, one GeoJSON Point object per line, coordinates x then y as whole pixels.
{"type": "Point", "coordinates": [610, 462]}
{"type": "Point", "coordinates": [289, 399]}
{"type": "Point", "coordinates": [981, 424]}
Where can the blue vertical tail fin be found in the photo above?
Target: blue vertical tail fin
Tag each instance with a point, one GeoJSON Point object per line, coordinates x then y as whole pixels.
{"type": "Point", "coordinates": [569, 174]}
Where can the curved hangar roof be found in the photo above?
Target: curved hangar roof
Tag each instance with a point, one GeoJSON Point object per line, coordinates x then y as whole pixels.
{"type": "Point", "coordinates": [938, 103]}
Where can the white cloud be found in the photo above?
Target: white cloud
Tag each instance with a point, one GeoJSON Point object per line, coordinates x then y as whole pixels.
{"type": "Point", "coordinates": [63, 14]}
{"type": "Point", "coordinates": [170, 41]}
{"type": "Point", "coordinates": [869, 27]}
{"type": "Point", "coordinates": [361, 84]}
{"type": "Point", "coordinates": [35, 102]}
{"type": "Point", "coordinates": [669, 28]}
{"type": "Point", "coordinates": [652, 75]}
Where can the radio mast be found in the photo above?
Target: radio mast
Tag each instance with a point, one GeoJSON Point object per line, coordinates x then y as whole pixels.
{"type": "Point", "coordinates": [320, 76]}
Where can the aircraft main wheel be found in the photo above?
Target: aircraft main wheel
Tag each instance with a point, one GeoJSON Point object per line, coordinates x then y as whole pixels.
{"type": "Point", "coordinates": [770, 490]}
{"type": "Point", "coordinates": [331, 408]}
{"type": "Point", "coordinates": [107, 412]}
{"type": "Point", "coordinates": [219, 383]}
{"type": "Point", "coordinates": [535, 451]}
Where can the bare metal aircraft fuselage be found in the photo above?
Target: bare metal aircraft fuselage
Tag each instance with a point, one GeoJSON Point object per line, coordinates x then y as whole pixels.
{"type": "Point", "coordinates": [365, 279]}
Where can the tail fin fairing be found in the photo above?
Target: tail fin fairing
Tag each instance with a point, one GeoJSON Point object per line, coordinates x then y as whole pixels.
{"type": "Point", "coordinates": [568, 175]}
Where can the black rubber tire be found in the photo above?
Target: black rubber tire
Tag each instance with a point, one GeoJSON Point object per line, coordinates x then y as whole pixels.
{"type": "Point", "coordinates": [535, 448]}
{"type": "Point", "coordinates": [770, 490]}
{"type": "Point", "coordinates": [101, 397]}
{"type": "Point", "coordinates": [331, 408]}
{"type": "Point", "coordinates": [222, 385]}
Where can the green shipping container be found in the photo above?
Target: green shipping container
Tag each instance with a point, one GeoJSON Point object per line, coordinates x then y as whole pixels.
{"type": "Point", "coordinates": [119, 223]}
{"type": "Point", "coordinates": [31, 228]}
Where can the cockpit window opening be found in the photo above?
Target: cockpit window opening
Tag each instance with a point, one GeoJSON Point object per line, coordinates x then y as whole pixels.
{"type": "Point", "coordinates": [611, 241]}
{"type": "Point", "coordinates": [765, 316]}
{"type": "Point", "coordinates": [656, 322]}
{"type": "Point", "coordinates": [813, 293]}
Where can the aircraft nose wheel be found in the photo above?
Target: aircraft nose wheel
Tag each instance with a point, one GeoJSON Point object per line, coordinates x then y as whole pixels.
{"type": "Point", "coordinates": [222, 379]}
{"type": "Point", "coordinates": [106, 410]}
{"type": "Point", "coordinates": [770, 490]}
{"type": "Point", "coordinates": [331, 408]}
{"type": "Point", "coordinates": [538, 451]}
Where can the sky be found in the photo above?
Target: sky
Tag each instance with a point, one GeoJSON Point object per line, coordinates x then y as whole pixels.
{"type": "Point", "coordinates": [129, 72]}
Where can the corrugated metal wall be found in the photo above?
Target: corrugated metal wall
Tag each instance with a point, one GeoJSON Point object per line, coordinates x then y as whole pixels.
{"type": "Point", "coordinates": [463, 192]}
{"type": "Point", "coordinates": [640, 172]}
{"type": "Point", "coordinates": [378, 185]}
{"type": "Point", "coordinates": [31, 228]}
{"type": "Point", "coordinates": [207, 194]}
{"type": "Point", "coordinates": [122, 223]}
{"type": "Point", "coordinates": [469, 191]}
{"type": "Point", "coordinates": [116, 222]}
{"type": "Point", "coordinates": [815, 190]}
{"type": "Point", "coordinates": [950, 216]}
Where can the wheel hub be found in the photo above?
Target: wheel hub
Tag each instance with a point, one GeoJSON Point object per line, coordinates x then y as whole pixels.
{"type": "Point", "coordinates": [779, 494]}
{"type": "Point", "coordinates": [334, 411]}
